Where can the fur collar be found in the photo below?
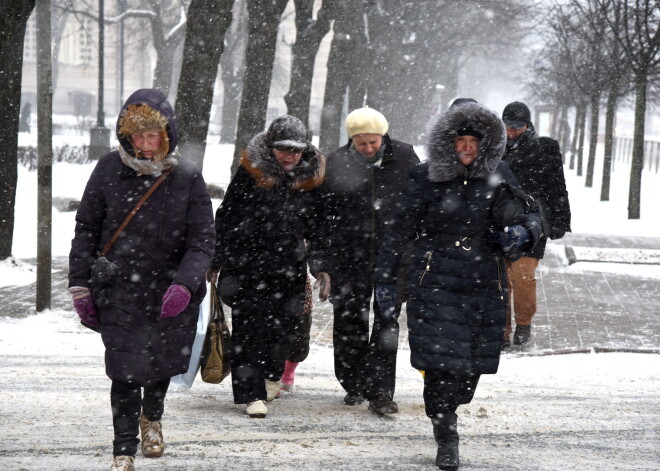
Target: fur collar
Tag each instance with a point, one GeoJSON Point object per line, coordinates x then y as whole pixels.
{"type": "Point", "coordinates": [442, 131]}
{"type": "Point", "coordinates": [268, 173]}
{"type": "Point", "coordinates": [148, 166]}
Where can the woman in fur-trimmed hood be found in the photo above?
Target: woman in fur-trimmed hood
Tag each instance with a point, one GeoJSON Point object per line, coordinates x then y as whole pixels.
{"type": "Point", "coordinates": [144, 298]}
{"type": "Point", "coordinates": [270, 209]}
{"type": "Point", "coordinates": [464, 214]}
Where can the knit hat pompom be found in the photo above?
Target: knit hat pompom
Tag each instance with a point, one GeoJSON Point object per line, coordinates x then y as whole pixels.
{"type": "Point", "coordinates": [366, 120]}
{"type": "Point", "coordinates": [138, 118]}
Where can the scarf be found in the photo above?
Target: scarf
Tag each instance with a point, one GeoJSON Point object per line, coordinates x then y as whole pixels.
{"type": "Point", "coordinates": [147, 166]}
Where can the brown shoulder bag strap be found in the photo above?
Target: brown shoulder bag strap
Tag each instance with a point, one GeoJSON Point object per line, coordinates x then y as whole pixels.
{"type": "Point", "coordinates": [130, 216]}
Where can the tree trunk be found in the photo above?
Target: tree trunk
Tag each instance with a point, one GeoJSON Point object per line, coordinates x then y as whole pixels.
{"type": "Point", "coordinates": [576, 135]}
{"type": "Point", "coordinates": [609, 140]}
{"type": "Point", "coordinates": [564, 132]}
{"type": "Point", "coordinates": [166, 44]}
{"type": "Point", "coordinates": [263, 23]}
{"type": "Point", "coordinates": [342, 63]}
{"type": "Point", "coordinates": [309, 34]}
{"type": "Point", "coordinates": [208, 21]}
{"type": "Point", "coordinates": [45, 156]}
{"type": "Point", "coordinates": [231, 72]}
{"type": "Point", "coordinates": [13, 22]}
{"type": "Point", "coordinates": [637, 164]}
{"type": "Point", "coordinates": [593, 139]}
{"type": "Point", "coordinates": [580, 151]}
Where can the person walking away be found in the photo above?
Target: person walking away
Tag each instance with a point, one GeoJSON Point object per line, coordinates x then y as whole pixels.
{"type": "Point", "coordinates": [271, 207]}
{"type": "Point", "coordinates": [464, 212]}
{"type": "Point", "coordinates": [538, 165]}
{"type": "Point", "coordinates": [363, 181]}
{"type": "Point", "coordinates": [144, 295]}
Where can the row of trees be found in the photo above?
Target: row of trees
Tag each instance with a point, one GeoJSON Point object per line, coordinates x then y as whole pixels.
{"type": "Point", "coordinates": [600, 52]}
{"type": "Point", "coordinates": [385, 53]}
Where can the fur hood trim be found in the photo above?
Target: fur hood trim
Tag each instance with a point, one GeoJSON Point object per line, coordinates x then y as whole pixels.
{"type": "Point", "coordinates": [268, 173]}
{"type": "Point", "coordinates": [442, 131]}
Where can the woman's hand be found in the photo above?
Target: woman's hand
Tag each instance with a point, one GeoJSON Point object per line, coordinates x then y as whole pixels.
{"type": "Point", "coordinates": [84, 306]}
{"type": "Point", "coordinates": [175, 300]}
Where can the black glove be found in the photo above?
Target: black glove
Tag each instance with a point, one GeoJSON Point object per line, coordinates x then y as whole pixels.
{"type": "Point", "coordinates": [556, 233]}
{"type": "Point", "coordinates": [512, 238]}
{"type": "Point", "coordinates": [386, 299]}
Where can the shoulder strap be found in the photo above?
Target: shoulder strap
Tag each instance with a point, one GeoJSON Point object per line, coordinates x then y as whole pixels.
{"type": "Point", "coordinates": [130, 216]}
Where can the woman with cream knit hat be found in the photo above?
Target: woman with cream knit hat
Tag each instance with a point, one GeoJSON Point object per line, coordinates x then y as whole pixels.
{"type": "Point", "coordinates": [363, 181]}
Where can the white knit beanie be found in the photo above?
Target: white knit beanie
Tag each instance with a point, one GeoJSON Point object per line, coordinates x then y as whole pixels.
{"type": "Point", "coordinates": [366, 120]}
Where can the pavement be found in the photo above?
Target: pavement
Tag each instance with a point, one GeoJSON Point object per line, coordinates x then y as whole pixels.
{"type": "Point", "coordinates": [580, 306]}
{"type": "Point", "coordinates": [543, 411]}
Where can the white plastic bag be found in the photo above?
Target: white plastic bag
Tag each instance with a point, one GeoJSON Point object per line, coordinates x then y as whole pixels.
{"type": "Point", "coordinates": [185, 380]}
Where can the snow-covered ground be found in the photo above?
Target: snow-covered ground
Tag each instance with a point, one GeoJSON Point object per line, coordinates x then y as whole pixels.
{"type": "Point", "coordinates": [569, 412]}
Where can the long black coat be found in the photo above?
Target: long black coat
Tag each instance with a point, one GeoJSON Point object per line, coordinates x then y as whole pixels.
{"type": "Point", "coordinates": [265, 219]}
{"type": "Point", "coordinates": [359, 203]}
{"type": "Point", "coordinates": [170, 240]}
{"type": "Point", "coordinates": [457, 279]}
{"type": "Point", "coordinates": [540, 171]}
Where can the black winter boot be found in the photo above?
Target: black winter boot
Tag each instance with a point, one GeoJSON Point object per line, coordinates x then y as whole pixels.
{"type": "Point", "coordinates": [446, 436]}
{"type": "Point", "coordinates": [521, 335]}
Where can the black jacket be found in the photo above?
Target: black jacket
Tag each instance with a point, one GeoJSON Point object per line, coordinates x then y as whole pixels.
{"type": "Point", "coordinates": [537, 163]}
{"type": "Point", "coordinates": [457, 280]}
{"type": "Point", "coordinates": [359, 202]}
{"type": "Point", "coordinates": [170, 240]}
{"type": "Point", "coordinates": [266, 217]}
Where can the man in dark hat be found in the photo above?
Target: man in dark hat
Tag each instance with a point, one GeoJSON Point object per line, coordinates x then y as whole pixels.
{"type": "Point", "coordinates": [538, 164]}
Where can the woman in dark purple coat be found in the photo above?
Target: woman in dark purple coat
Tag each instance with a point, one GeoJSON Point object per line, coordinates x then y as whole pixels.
{"type": "Point", "coordinates": [145, 299]}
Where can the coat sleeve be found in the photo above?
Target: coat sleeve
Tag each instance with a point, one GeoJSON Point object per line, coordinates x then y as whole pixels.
{"type": "Point", "coordinates": [200, 236]}
{"type": "Point", "coordinates": [557, 199]}
{"type": "Point", "coordinates": [408, 213]}
{"type": "Point", "coordinates": [227, 217]}
{"type": "Point", "coordinates": [316, 234]}
{"type": "Point", "coordinates": [89, 226]}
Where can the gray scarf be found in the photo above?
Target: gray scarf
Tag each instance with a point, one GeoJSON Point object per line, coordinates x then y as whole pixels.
{"type": "Point", "coordinates": [148, 166]}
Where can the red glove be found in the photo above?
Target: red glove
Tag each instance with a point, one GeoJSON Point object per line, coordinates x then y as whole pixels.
{"type": "Point", "coordinates": [175, 300]}
{"type": "Point", "coordinates": [84, 306]}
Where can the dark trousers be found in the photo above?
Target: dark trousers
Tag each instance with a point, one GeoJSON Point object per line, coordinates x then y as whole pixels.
{"type": "Point", "coordinates": [299, 349]}
{"type": "Point", "coordinates": [264, 315]}
{"type": "Point", "coordinates": [444, 392]}
{"type": "Point", "coordinates": [364, 366]}
{"type": "Point", "coordinates": [127, 403]}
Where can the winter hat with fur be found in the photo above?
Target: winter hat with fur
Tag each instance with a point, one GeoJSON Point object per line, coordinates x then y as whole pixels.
{"type": "Point", "coordinates": [366, 120]}
{"type": "Point", "coordinates": [286, 132]}
{"type": "Point", "coordinates": [470, 118]}
{"type": "Point", "coordinates": [145, 110]}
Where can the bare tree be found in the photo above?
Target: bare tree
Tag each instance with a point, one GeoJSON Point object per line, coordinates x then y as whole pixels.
{"type": "Point", "coordinates": [208, 20]}
{"type": "Point", "coordinates": [231, 72]}
{"type": "Point", "coordinates": [636, 24]}
{"type": "Point", "coordinates": [309, 34]}
{"type": "Point", "coordinates": [263, 23]}
{"type": "Point", "coordinates": [13, 23]}
{"type": "Point", "coordinates": [343, 62]}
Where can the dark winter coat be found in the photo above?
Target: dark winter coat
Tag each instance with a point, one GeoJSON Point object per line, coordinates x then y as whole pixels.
{"type": "Point", "coordinates": [537, 163]}
{"type": "Point", "coordinates": [266, 217]}
{"type": "Point", "coordinates": [457, 280]}
{"type": "Point", "coordinates": [169, 241]}
{"type": "Point", "coordinates": [359, 203]}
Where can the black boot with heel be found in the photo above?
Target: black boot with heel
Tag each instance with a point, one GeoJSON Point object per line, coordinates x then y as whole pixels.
{"type": "Point", "coordinates": [446, 436]}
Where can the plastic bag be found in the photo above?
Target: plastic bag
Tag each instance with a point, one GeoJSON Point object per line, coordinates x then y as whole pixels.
{"type": "Point", "coordinates": [185, 380]}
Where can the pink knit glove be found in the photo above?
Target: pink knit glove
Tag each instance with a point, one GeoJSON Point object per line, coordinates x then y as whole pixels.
{"type": "Point", "coordinates": [175, 300]}
{"type": "Point", "coordinates": [82, 303]}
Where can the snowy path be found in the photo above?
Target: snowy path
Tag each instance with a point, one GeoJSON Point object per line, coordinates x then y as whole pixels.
{"type": "Point", "coordinates": [566, 412]}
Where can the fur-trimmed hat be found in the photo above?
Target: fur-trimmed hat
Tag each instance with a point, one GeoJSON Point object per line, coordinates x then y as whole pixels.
{"type": "Point", "coordinates": [139, 118]}
{"type": "Point", "coordinates": [147, 109]}
{"type": "Point", "coordinates": [366, 120]}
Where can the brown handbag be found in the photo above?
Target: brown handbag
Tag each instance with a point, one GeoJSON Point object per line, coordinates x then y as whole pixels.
{"type": "Point", "coordinates": [217, 344]}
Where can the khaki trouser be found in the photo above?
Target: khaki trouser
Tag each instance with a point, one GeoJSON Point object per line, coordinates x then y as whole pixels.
{"type": "Point", "coordinates": [521, 279]}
